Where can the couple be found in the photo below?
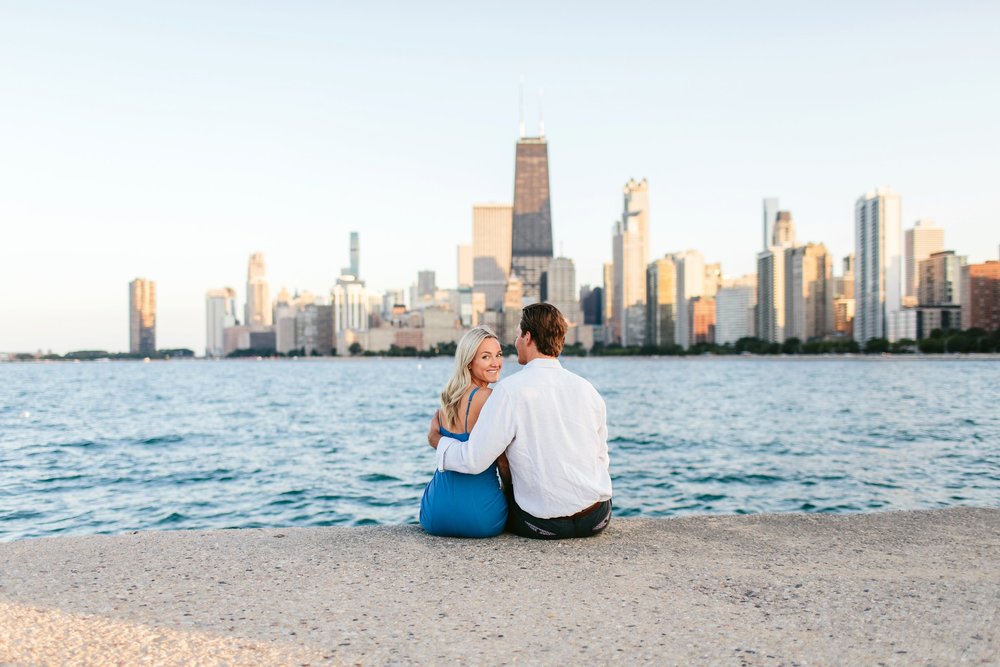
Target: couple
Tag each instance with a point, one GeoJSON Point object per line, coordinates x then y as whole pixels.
{"type": "Point", "coordinates": [540, 436]}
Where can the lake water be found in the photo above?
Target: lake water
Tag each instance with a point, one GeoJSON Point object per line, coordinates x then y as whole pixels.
{"type": "Point", "coordinates": [107, 448]}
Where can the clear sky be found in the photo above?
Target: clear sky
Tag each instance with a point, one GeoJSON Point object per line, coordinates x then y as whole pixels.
{"type": "Point", "coordinates": [170, 140]}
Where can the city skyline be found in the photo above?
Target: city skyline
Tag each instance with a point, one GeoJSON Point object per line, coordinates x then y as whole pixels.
{"type": "Point", "coordinates": [194, 149]}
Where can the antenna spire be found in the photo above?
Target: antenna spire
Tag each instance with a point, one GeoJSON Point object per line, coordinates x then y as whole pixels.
{"type": "Point", "coordinates": [520, 126]}
{"type": "Point", "coordinates": [541, 116]}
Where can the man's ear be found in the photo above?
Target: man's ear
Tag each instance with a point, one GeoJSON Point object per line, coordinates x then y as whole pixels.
{"type": "Point", "coordinates": [526, 335]}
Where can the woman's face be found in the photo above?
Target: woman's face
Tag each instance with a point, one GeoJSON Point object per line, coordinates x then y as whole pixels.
{"type": "Point", "coordinates": [486, 365]}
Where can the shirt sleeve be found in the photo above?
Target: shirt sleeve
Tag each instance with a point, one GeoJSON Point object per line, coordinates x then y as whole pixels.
{"type": "Point", "coordinates": [494, 430]}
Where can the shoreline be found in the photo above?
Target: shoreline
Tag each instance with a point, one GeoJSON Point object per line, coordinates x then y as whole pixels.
{"type": "Point", "coordinates": [826, 356]}
{"type": "Point", "coordinates": [896, 588]}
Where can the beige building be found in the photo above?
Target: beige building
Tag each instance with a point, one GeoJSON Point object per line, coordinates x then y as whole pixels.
{"type": "Point", "coordinates": [491, 247]}
{"type": "Point", "coordinates": [939, 279]}
{"type": "Point", "coordinates": [713, 279]}
{"type": "Point", "coordinates": [922, 241]}
{"type": "Point", "coordinates": [142, 316]}
{"type": "Point", "coordinates": [630, 257]}
{"type": "Point", "coordinates": [809, 295]}
{"type": "Point", "coordinates": [258, 304]}
{"type": "Point", "coordinates": [784, 230]}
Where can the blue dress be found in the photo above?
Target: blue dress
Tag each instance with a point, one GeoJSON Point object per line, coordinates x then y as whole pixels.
{"type": "Point", "coordinates": [459, 505]}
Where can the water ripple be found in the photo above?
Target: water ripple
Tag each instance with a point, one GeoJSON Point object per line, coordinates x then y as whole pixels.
{"type": "Point", "coordinates": [110, 448]}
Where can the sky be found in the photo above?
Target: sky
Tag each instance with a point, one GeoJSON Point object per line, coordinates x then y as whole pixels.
{"type": "Point", "coordinates": [172, 140]}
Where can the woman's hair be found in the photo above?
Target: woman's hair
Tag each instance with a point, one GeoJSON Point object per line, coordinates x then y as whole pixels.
{"type": "Point", "coordinates": [547, 327]}
{"type": "Point", "coordinates": [461, 378]}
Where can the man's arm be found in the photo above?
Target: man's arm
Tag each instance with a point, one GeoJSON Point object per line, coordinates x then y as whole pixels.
{"type": "Point", "coordinates": [494, 430]}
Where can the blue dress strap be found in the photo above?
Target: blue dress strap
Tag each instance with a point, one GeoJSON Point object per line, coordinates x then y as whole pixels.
{"type": "Point", "coordinates": [467, 408]}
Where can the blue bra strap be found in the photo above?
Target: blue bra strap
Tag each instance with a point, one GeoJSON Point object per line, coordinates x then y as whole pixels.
{"type": "Point", "coordinates": [467, 409]}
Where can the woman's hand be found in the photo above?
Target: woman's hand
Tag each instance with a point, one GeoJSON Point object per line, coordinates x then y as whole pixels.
{"type": "Point", "coordinates": [434, 434]}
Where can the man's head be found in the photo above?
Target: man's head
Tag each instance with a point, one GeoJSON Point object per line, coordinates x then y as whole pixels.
{"type": "Point", "coordinates": [541, 333]}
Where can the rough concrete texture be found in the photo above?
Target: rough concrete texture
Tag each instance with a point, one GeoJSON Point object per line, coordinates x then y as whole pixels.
{"type": "Point", "coordinates": [909, 588]}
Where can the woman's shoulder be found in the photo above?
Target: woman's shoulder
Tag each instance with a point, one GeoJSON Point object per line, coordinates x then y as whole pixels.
{"type": "Point", "coordinates": [480, 395]}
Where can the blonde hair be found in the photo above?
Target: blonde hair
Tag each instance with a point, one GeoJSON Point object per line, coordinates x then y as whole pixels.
{"type": "Point", "coordinates": [461, 378]}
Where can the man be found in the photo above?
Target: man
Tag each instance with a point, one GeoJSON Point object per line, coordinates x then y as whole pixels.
{"type": "Point", "coordinates": [553, 426]}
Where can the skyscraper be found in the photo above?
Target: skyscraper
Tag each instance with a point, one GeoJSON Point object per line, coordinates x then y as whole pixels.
{"type": "Point", "coordinates": [350, 302]}
{"type": "Point", "coordinates": [690, 284]}
{"type": "Point", "coordinates": [922, 241]}
{"type": "Point", "coordinates": [630, 256]}
{"type": "Point", "coordinates": [220, 312]}
{"type": "Point", "coordinates": [771, 295]}
{"type": "Point", "coordinates": [560, 288]}
{"type": "Point", "coordinates": [355, 256]}
{"type": "Point", "coordinates": [142, 316]}
{"type": "Point", "coordinates": [940, 296]}
{"type": "Point", "coordinates": [784, 230]}
{"type": "Point", "coordinates": [772, 273]}
{"type": "Point", "coordinates": [809, 292]}
{"type": "Point", "coordinates": [661, 295]}
{"type": "Point", "coordinates": [491, 238]}
{"type": "Point", "coordinates": [734, 309]}
{"type": "Point", "coordinates": [258, 305]}
{"type": "Point", "coordinates": [878, 273]}
{"type": "Point", "coordinates": [531, 232]}
{"type": "Point", "coordinates": [770, 215]}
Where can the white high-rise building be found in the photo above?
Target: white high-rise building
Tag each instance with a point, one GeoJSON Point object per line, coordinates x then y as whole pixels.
{"type": "Point", "coordinates": [922, 241]}
{"type": "Point", "coordinates": [258, 305]}
{"type": "Point", "coordinates": [492, 226]}
{"type": "Point", "coordinates": [560, 288]}
{"type": "Point", "coordinates": [734, 309]}
{"type": "Point", "coordinates": [630, 257]}
{"type": "Point", "coordinates": [690, 283]}
{"type": "Point", "coordinates": [878, 271]}
{"type": "Point", "coordinates": [220, 312]}
{"type": "Point", "coordinates": [349, 299]}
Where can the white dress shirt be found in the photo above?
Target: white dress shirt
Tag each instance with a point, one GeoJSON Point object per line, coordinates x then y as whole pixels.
{"type": "Point", "coordinates": [553, 425]}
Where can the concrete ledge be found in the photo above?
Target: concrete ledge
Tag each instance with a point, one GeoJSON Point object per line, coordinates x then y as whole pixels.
{"type": "Point", "coordinates": [893, 588]}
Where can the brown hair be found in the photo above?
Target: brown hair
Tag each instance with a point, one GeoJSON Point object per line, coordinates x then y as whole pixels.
{"type": "Point", "coordinates": [547, 327]}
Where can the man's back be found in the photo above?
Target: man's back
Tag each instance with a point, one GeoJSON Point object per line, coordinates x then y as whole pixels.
{"type": "Point", "coordinates": [559, 453]}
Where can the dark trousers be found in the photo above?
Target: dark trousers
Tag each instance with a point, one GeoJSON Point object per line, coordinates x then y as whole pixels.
{"type": "Point", "coordinates": [521, 523]}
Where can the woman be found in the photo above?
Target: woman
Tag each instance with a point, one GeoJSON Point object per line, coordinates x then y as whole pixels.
{"type": "Point", "coordinates": [455, 504]}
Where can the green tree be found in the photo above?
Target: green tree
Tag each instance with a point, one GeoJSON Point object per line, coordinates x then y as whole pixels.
{"type": "Point", "coordinates": [792, 345]}
{"type": "Point", "coordinates": [876, 346]}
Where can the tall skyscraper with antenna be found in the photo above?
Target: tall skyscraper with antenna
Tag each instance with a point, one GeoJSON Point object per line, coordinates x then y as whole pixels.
{"type": "Point", "coordinates": [531, 236]}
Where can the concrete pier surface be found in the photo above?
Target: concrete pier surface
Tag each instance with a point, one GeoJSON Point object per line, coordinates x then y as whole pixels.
{"type": "Point", "coordinates": [907, 588]}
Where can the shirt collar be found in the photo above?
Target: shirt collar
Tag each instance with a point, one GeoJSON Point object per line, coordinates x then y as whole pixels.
{"type": "Point", "coordinates": [543, 362]}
